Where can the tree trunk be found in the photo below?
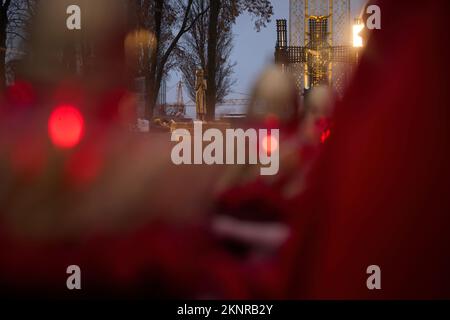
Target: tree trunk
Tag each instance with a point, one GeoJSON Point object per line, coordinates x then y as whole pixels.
{"type": "Point", "coordinates": [152, 77]}
{"type": "Point", "coordinates": [159, 60]}
{"type": "Point", "coordinates": [3, 25]}
{"type": "Point", "coordinates": [212, 56]}
{"type": "Point", "coordinates": [4, 6]}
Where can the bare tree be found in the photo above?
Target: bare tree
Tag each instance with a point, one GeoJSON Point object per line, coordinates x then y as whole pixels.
{"type": "Point", "coordinates": [18, 17]}
{"type": "Point", "coordinates": [262, 10]}
{"type": "Point", "coordinates": [193, 54]}
{"type": "Point", "coordinates": [4, 7]}
{"type": "Point", "coordinates": [20, 14]}
{"type": "Point", "coordinates": [168, 21]}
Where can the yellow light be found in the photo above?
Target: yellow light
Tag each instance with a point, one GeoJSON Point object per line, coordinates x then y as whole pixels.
{"type": "Point", "coordinates": [357, 39]}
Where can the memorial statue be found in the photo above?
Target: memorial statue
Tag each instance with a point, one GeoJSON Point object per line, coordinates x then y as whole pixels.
{"type": "Point", "coordinates": [200, 95]}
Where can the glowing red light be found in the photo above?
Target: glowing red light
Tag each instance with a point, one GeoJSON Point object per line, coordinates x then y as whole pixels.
{"type": "Point", "coordinates": [325, 135]}
{"type": "Point", "coordinates": [269, 144]}
{"type": "Point", "coordinates": [66, 126]}
{"type": "Point", "coordinates": [272, 121]}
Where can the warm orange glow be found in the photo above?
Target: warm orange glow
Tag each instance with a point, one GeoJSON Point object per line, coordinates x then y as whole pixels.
{"type": "Point", "coordinates": [138, 41]}
{"type": "Point", "coordinates": [269, 144]}
{"type": "Point", "coordinates": [66, 126]}
{"type": "Point", "coordinates": [357, 39]}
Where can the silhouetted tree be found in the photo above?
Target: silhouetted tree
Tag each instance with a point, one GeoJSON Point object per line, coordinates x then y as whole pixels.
{"type": "Point", "coordinates": [262, 10]}
{"type": "Point", "coordinates": [4, 7]}
{"type": "Point", "coordinates": [193, 53]}
{"type": "Point", "coordinates": [19, 16]}
{"type": "Point", "coordinates": [168, 21]}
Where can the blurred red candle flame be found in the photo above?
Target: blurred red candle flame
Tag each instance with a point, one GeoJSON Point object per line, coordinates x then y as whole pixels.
{"type": "Point", "coordinates": [269, 144]}
{"type": "Point", "coordinates": [66, 126]}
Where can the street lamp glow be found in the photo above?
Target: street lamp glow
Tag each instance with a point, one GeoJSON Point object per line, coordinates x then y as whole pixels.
{"type": "Point", "coordinates": [357, 39]}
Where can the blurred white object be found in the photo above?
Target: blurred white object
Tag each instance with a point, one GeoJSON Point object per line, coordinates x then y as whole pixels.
{"type": "Point", "coordinates": [269, 236]}
{"type": "Point", "coordinates": [143, 125]}
{"type": "Point", "coordinates": [275, 93]}
{"type": "Point", "coordinates": [320, 101]}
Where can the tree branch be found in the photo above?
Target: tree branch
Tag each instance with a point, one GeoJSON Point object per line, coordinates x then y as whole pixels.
{"type": "Point", "coordinates": [183, 30]}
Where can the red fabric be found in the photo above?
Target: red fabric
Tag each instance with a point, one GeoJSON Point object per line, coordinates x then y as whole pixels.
{"type": "Point", "coordinates": [156, 261]}
{"type": "Point", "coordinates": [380, 193]}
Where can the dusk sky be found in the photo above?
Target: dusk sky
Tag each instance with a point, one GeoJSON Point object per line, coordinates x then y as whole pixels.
{"type": "Point", "coordinates": [253, 50]}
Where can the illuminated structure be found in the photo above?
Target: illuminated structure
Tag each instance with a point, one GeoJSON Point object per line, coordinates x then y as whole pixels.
{"type": "Point", "coordinates": [320, 50]}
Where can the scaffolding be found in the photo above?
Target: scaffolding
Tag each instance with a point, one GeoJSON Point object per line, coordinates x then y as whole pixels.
{"type": "Point", "coordinates": [319, 51]}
